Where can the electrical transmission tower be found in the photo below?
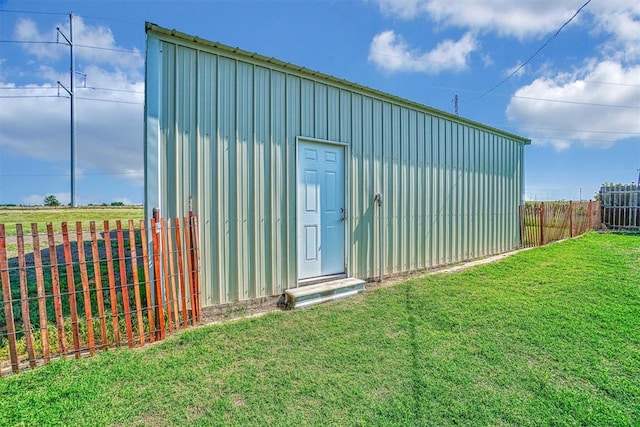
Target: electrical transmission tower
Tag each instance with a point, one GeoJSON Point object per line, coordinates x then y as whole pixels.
{"type": "Point", "coordinates": [71, 91]}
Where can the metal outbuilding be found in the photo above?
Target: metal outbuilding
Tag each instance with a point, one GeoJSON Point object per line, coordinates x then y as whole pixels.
{"type": "Point", "coordinates": [295, 174]}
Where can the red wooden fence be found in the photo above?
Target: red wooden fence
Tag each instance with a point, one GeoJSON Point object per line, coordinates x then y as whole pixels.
{"type": "Point", "coordinates": [546, 222]}
{"type": "Point", "coordinates": [86, 291]}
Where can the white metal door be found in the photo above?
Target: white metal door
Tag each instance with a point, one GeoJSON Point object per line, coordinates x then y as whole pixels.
{"type": "Point", "coordinates": [321, 210]}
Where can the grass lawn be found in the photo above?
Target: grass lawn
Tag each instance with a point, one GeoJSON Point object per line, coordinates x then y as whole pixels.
{"type": "Point", "coordinates": [41, 215]}
{"type": "Point", "coordinates": [549, 336]}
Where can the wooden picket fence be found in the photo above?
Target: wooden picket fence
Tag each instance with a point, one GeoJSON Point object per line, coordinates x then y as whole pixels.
{"type": "Point", "coordinates": [546, 222]}
{"type": "Point", "coordinates": [75, 292]}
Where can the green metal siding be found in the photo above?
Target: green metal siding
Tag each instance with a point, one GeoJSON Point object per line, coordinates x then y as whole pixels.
{"type": "Point", "coordinates": [226, 145]}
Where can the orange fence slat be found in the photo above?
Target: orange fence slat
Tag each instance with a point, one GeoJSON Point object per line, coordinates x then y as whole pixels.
{"type": "Point", "coordinates": [55, 285]}
{"type": "Point", "coordinates": [136, 281]}
{"type": "Point", "coordinates": [124, 287]}
{"type": "Point", "coordinates": [183, 295]}
{"type": "Point", "coordinates": [187, 240]}
{"type": "Point", "coordinates": [71, 289]}
{"type": "Point", "coordinates": [196, 264]}
{"type": "Point", "coordinates": [113, 297]}
{"type": "Point", "coordinates": [84, 279]}
{"type": "Point", "coordinates": [165, 267]}
{"type": "Point", "coordinates": [24, 296]}
{"type": "Point", "coordinates": [157, 282]}
{"type": "Point", "coordinates": [7, 300]}
{"type": "Point", "coordinates": [97, 277]}
{"type": "Point", "coordinates": [147, 278]}
{"type": "Point", "coordinates": [172, 275]}
{"type": "Point", "coordinates": [42, 302]}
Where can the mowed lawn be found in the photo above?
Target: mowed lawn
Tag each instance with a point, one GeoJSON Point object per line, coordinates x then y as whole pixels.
{"type": "Point", "coordinates": [42, 215]}
{"type": "Point", "coordinates": [549, 336]}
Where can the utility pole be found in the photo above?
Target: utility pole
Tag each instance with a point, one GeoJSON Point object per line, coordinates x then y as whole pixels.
{"type": "Point", "coordinates": [455, 104]}
{"type": "Point", "coordinates": [71, 91]}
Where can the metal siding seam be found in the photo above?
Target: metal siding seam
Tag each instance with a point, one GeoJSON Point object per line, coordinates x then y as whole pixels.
{"type": "Point", "coordinates": [293, 130]}
{"type": "Point", "coordinates": [428, 188]}
{"type": "Point", "coordinates": [365, 190]}
{"type": "Point", "coordinates": [243, 160]}
{"type": "Point", "coordinates": [442, 192]}
{"type": "Point", "coordinates": [396, 197]}
{"type": "Point", "coordinates": [356, 158]}
{"type": "Point", "coordinates": [387, 162]}
{"type": "Point", "coordinates": [274, 285]}
{"type": "Point", "coordinates": [420, 177]}
{"type": "Point", "coordinates": [266, 163]}
{"type": "Point", "coordinates": [376, 132]}
{"type": "Point", "coordinates": [404, 189]}
{"type": "Point", "coordinates": [219, 170]}
{"type": "Point", "coordinates": [436, 193]}
{"type": "Point", "coordinates": [456, 190]}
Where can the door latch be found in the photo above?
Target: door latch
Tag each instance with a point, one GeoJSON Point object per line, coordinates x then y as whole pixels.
{"type": "Point", "coordinates": [343, 217]}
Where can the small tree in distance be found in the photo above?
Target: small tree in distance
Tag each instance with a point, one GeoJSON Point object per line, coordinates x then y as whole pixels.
{"type": "Point", "coordinates": [51, 200]}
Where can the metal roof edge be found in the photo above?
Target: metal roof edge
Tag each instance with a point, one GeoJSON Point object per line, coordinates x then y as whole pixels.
{"type": "Point", "coordinates": [161, 31]}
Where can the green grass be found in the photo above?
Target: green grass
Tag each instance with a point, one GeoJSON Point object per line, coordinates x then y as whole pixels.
{"type": "Point", "coordinates": [25, 216]}
{"type": "Point", "coordinates": [549, 336]}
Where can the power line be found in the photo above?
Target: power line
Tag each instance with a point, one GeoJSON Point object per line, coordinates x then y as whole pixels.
{"type": "Point", "coordinates": [592, 104]}
{"type": "Point", "coordinates": [110, 100]}
{"type": "Point", "coordinates": [135, 52]}
{"type": "Point", "coordinates": [33, 12]}
{"type": "Point", "coordinates": [79, 88]}
{"type": "Point", "coordinates": [31, 96]}
{"type": "Point", "coordinates": [66, 174]}
{"type": "Point", "coordinates": [27, 42]}
{"type": "Point", "coordinates": [113, 90]}
{"type": "Point", "coordinates": [552, 38]}
{"type": "Point", "coordinates": [504, 125]}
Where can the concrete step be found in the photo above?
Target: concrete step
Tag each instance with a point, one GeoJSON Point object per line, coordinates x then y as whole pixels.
{"type": "Point", "coordinates": [305, 296]}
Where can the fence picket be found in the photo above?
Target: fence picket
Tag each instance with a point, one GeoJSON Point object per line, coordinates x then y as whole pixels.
{"type": "Point", "coordinates": [183, 295]}
{"type": "Point", "coordinates": [113, 296]}
{"type": "Point", "coordinates": [136, 281]}
{"type": "Point", "coordinates": [84, 279]}
{"type": "Point", "coordinates": [42, 302]}
{"type": "Point", "coordinates": [124, 287]}
{"type": "Point", "coordinates": [165, 266]}
{"type": "Point", "coordinates": [172, 274]}
{"type": "Point", "coordinates": [71, 289]}
{"type": "Point", "coordinates": [55, 284]}
{"type": "Point", "coordinates": [97, 277]}
{"type": "Point", "coordinates": [24, 296]}
{"type": "Point", "coordinates": [155, 230]}
{"type": "Point", "coordinates": [196, 266]}
{"type": "Point", "coordinates": [192, 297]}
{"type": "Point", "coordinates": [147, 279]}
{"type": "Point", "coordinates": [7, 299]}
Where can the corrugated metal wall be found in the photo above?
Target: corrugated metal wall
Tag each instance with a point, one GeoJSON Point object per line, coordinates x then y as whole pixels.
{"type": "Point", "coordinates": [226, 142]}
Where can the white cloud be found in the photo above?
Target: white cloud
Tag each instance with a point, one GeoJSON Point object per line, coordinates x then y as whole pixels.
{"type": "Point", "coordinates": [596, 105]}
{"type": "Point", "coordinates": [624, 27]}
{"type": "Point", "coordinates": [390, 52]}
{"type": "Point", "coordinates": [505, 17]}
{"type": "Point", "coordinates": [94, 44]}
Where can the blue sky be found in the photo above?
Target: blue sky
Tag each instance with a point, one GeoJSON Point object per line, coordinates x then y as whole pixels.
{"type": "Point", "coordinates": [578, 99]}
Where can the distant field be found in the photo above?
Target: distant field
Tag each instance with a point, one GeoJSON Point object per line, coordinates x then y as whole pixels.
{"type": "Point", "coordinates": [10, 216]}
